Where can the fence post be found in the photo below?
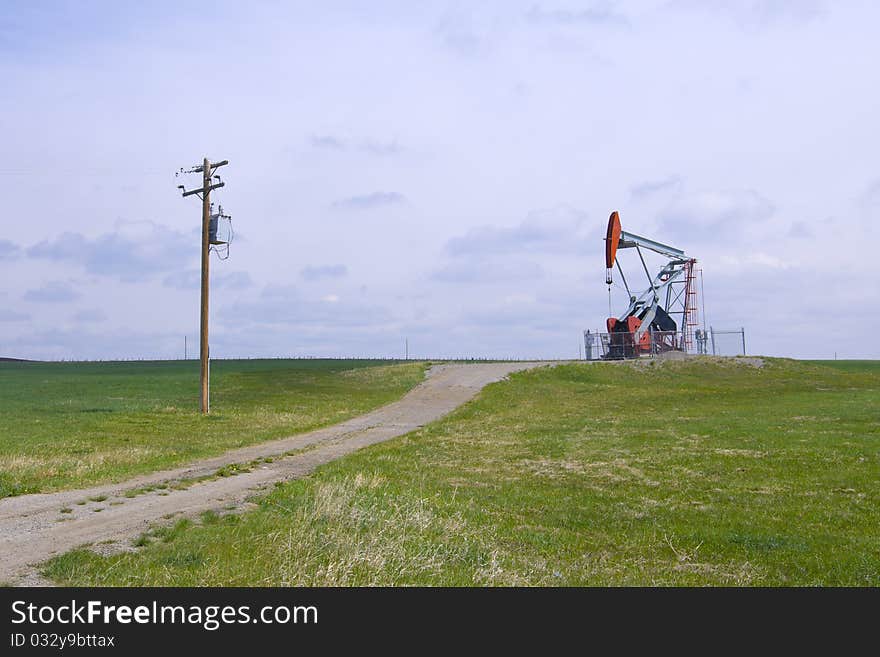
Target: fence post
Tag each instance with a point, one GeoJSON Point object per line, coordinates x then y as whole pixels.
{"type": "Point", "coordinates": [712, 334]}
{"type": "Point", "coordinates": [743, 330]}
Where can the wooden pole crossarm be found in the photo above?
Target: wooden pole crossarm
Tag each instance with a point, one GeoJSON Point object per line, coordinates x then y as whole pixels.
{"type": "Point", "coordinates": [202, 190]}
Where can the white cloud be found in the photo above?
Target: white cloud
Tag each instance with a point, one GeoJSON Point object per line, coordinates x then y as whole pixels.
{"type": "Point", "coordinates": [599, 14]}
{"type": "Point", "coordinates": [370, 201]}
{"type": "Point", "coordinates": [13, 316]}
{"type": "Point", "coordinates": [713, 215]}
{"type": "Point", "coordinates": [756, 13]}
{"type": "Point", "coordinates": [558, 230]}
{"type": "Point", "coordinates": [135, 251]}
{"type": "Point", "coordinates": [90, 315]}
{"type": "Point", "coordinates": [52, 292]}
{"type": "Point", "coordinates": [751, 261]}
{"type": "Point", "coordinates": [318, 272]}
{"type": "Point", "coordinates": [9, 250]}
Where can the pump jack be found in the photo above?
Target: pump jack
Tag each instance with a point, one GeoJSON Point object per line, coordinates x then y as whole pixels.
{"type": "Point", "coordinates": [648, 325]}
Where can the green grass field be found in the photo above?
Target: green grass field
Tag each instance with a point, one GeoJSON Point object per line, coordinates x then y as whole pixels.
{"type": "Point", "coordinates": [850, 365]}
{"type": "Point", "coordinates": [682, 473]}
{"type": "Point", "coordinates": [66, 425]}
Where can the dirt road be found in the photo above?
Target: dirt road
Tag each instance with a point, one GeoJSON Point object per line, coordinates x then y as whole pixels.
{"type": "Point", "coordinates": [33, 528]}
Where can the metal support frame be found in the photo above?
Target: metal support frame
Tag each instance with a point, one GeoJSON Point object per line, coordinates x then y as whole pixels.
{"type": "Point", "coordinates": [622, 278]}
{"type": "Point", "coordinates": [631, 239]}
{"type": "Point", "coordinates": [650, 297]}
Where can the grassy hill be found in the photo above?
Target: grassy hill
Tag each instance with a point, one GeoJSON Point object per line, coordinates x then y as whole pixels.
{"type": "Point", "coordinates": [679, 473]}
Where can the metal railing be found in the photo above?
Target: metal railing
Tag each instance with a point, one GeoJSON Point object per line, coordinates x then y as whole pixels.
{"type": "Point", "coordinates": [622, 344]}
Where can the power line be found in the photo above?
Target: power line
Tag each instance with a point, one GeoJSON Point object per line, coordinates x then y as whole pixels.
{"type": "Point", "coordinates": [81, 172]}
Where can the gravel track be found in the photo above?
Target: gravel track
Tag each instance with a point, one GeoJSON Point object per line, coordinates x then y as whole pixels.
{"type": "Point", "coordinates": [33, 527]}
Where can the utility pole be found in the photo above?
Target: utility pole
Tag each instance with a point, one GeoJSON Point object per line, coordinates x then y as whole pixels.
{"type": "Point", "coordinates": [206, 169]}
{"type": "Point", "coordinates": [204, 352]}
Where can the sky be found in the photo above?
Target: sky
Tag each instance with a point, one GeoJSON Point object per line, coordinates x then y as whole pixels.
{"type": "Point", "coordinates": [437, 173]}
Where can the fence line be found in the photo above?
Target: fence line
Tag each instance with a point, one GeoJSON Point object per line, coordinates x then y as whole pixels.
{"type": "Point", "coordinates": [623, 344]}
